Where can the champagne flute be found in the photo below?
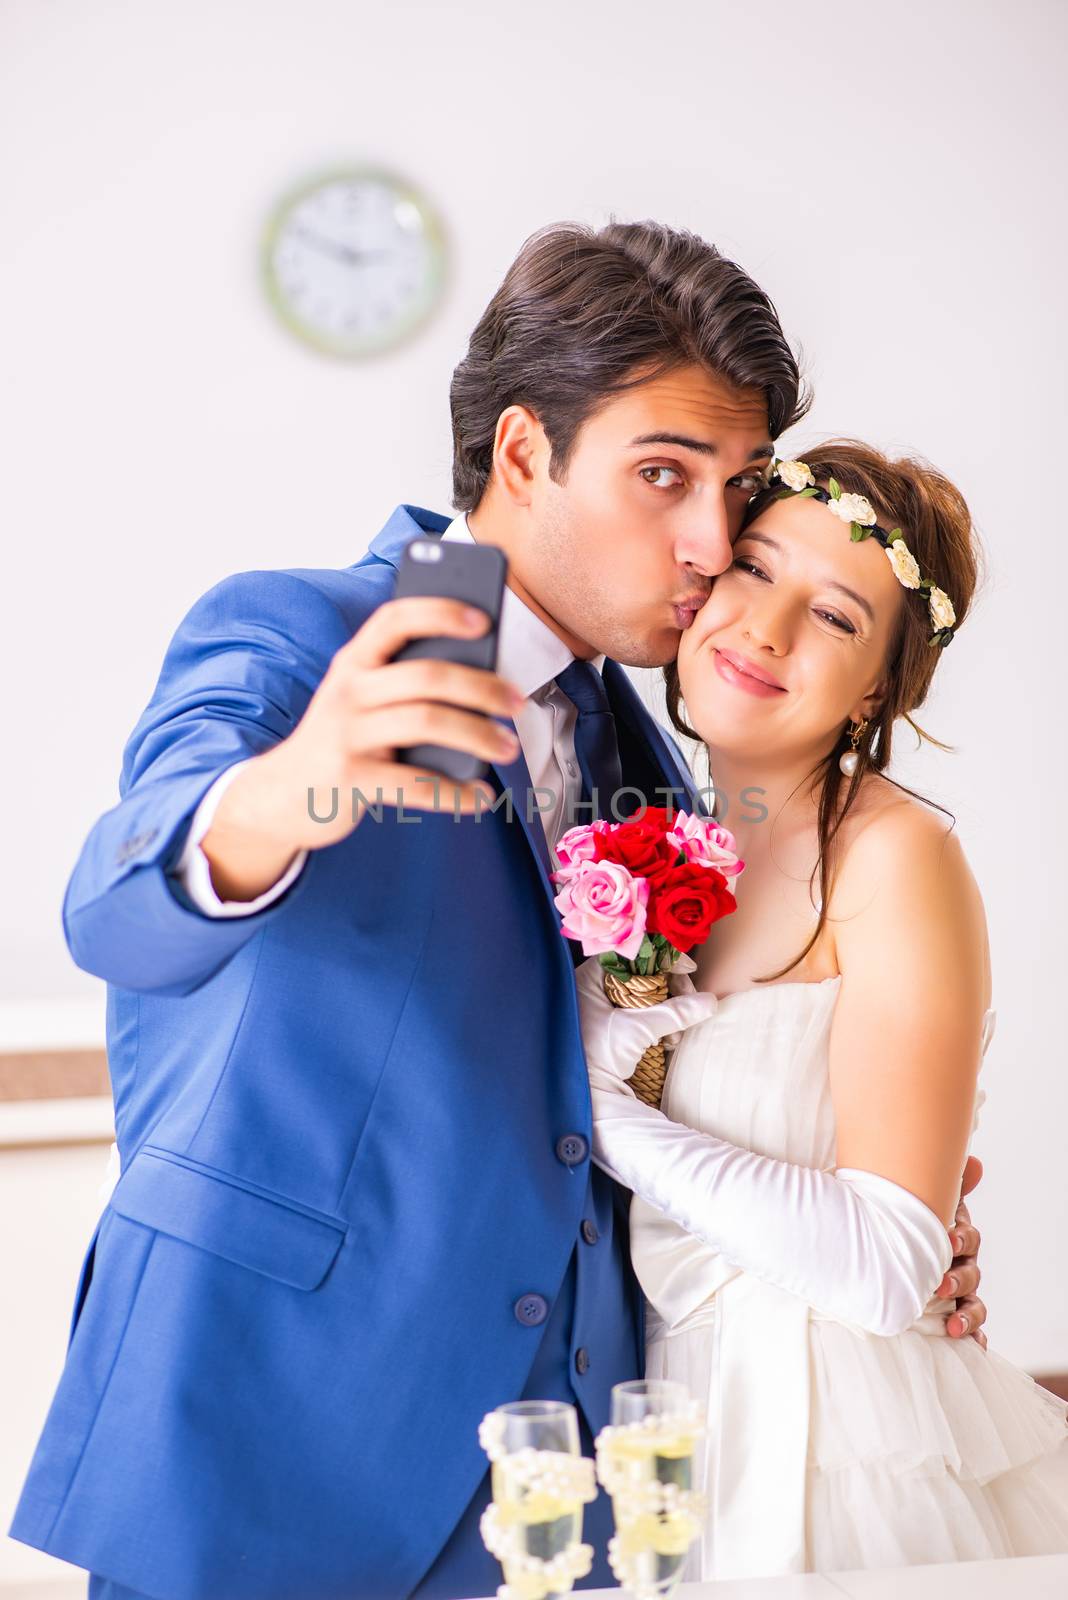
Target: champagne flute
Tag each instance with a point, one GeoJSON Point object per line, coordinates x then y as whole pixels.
{"type": "Point", "coordinates": [645, 1459]}
{"type": "Point", "coordinates": [540, 1483]}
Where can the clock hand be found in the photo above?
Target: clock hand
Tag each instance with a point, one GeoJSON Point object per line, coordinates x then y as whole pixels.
{"type": "Point", "coordinates": [342, 252]}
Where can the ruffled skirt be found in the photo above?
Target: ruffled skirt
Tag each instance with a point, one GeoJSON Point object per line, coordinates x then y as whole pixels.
{"type": "Point", "coordinates": [921, 1449]}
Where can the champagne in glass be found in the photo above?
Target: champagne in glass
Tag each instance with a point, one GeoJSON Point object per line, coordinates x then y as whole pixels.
{"type": "Point", "coordinates": [540, 1483]}
{"type": "Point", "coordinates": [645, 1459]}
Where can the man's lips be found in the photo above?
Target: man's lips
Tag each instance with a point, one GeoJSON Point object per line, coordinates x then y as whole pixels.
{"type": "Point", "coordinates": [749, 669]}
{"type": "Point", "coordinates": [686, 610]}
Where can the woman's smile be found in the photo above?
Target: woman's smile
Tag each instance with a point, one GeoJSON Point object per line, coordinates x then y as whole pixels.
{"type": "Point", "coordinates": [744, 674]}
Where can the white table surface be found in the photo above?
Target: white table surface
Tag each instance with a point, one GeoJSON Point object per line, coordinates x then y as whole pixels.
{"type": "Point", "coordinates": [1021, 1578]}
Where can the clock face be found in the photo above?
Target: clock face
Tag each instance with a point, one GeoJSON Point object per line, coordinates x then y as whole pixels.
{"type": "Point", "coordinates": [354, 261]}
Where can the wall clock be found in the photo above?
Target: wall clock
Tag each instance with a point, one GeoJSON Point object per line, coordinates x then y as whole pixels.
{"type": "Point", "coordinates": [353, 261]}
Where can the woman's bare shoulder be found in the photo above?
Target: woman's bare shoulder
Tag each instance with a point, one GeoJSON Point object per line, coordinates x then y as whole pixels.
{"type": "Point", "coordinates": [887, 825]}
{"type": "Point", "coordinates": [892, 841]}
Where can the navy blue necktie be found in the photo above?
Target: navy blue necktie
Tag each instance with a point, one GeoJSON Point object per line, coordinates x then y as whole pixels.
{"type": "Point", "coordinates": [596, 745]}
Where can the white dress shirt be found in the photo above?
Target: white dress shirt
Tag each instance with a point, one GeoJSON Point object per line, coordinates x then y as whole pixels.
{"type": "Point", "coordinates": [530, 655]}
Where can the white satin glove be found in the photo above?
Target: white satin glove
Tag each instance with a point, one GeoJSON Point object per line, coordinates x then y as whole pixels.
{"type": "Point", "coordinates": [853, 1244]}
{"type": "Point", "coordinates": [615, 1038]}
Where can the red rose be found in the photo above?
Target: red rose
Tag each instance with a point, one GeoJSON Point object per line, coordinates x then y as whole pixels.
{"type": "Point", "coordinates": [684, 907]}
{"type": "Point", "coordinates": [642, 846]}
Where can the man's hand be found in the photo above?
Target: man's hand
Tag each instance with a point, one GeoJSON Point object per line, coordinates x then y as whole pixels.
{"type": "Point", "coordinates": [366, 707]}
{"type": "Point", "coordinates": [962, 1279]}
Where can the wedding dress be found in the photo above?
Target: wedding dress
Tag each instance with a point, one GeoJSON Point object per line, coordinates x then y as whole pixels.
{"type": "Point", "coordinates": [829, 1447]}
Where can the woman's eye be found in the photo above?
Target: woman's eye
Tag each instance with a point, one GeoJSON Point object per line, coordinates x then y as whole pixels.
{"type": "Point", "coordinates": [658, 473]}
{"type": "Point", "coordinates": [750, 566]}
{"type": "Point", "coordinates": [828, 616]}
{"type": "Point", "coordinates": [837, 622]}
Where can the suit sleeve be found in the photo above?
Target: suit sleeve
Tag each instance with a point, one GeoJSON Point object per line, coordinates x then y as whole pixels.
{"type": "Point", "coordinates": [236, 678]}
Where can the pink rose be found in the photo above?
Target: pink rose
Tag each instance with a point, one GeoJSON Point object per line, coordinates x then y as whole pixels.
{"type": "Point", "coordinates": [576, 846]}
{"type": "Point", "coordinates": [704, 841]}
{"type": "Point", "coordinates": [604, 907]}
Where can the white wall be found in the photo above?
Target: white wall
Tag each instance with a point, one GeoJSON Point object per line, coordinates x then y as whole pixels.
{"type": "Point", "coordinates": [53, 1192]}
{"type": "Point", "coordinates": [888, 173]}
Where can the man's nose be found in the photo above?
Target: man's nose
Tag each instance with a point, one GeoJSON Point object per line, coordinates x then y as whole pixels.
{"type": "Point", "coordinates": [703, 540]}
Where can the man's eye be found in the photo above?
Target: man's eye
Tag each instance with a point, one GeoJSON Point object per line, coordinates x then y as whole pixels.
{"type": "Point", "coordinates": [751, 482]}
{"type": "Point", "coordinates": [657, 473]}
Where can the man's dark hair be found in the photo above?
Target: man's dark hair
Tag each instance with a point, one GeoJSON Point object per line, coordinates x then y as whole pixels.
{"type": "Point", "coordinates": [585, 313]}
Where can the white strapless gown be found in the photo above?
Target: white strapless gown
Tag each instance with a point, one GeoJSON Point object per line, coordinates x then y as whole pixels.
{"type": "Point", "coordinates": [829, 1448]}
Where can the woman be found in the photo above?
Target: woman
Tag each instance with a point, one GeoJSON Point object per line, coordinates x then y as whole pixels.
{"type": "Point", "coordinates": [792, 1196]}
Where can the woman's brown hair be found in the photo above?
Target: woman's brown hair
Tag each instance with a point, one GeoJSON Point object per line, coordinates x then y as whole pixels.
{"type": "Point", "coordinates": [584, 314]}
{"type": "Point", "coordinates": [937, 526]}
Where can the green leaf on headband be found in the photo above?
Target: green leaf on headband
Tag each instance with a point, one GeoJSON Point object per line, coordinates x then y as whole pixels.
{"type": "Point", "coordinates": [806, 493]}
{"type": "Point", "coordinates": [835, 487]}
{"type": "Point", "coordinates": [855, 531]}
{"type": "Point", "coordinates": [896, 534]}
{"type": "Point", "coordinates": [784, 494]}
{"type": "Point", "coordinates": [926, 584]}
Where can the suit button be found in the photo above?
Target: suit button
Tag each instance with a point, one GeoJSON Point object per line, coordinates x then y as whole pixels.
{"type": "Point", "coordinates": [571, 1149]}
{"type": "Point", "coordinates": [531, 1309]}
{"type": "Point", "coordinates": [582, 1360]}
{"type": "Point", "coordinates": [589, 1231]}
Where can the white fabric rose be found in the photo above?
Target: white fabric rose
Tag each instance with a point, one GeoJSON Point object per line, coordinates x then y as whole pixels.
{"type": "Point", "coordinates": [903, 562]}
{"type": "Point", "coordinates": [853, 508]}
{"type": "Point", "coordinates": [796, 474]}
{"type": "Point", "coordinates": [942, 612]}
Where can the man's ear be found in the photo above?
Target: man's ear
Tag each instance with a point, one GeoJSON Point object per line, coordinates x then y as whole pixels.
{"type": "Point", "coordinates": [520, 446]}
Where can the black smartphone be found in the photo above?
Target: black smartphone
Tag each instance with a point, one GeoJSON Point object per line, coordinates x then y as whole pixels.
{"type": "Point", "coordinates": [475, 574]}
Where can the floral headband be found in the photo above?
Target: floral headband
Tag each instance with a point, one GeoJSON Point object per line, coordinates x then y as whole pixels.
{"type": "Point", "coordinates": [796, 478]}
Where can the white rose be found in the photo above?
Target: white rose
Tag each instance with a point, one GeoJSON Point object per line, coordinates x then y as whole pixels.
{"type": "Point", "coordinates": [903, 562]}
{"type": "Point", "coordinates": [942, 612]}
{"type": "Point", "coordinates": [853, 508]}
{"type": "Point", "coordinates": [796, 474]}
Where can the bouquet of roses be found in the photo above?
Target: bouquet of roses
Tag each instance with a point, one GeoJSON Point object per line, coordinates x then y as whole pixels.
{"type": "Point", "coordinates": [640, 895]}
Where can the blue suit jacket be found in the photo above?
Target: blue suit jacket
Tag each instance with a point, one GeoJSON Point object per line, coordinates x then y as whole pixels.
{"type": "Point", "coordinates": [340, 1123]}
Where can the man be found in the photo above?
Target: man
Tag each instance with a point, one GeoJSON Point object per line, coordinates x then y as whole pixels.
{"type": "Point", "coordinates": [356, 1208]}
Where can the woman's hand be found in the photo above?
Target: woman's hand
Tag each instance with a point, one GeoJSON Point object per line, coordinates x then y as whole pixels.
{"type": "Point", "coordinates": [962, 1279]}
{"type": "Point", "coordinates": [615, 1037]}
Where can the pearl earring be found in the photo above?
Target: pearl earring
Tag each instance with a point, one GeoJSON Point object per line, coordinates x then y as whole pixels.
{"type": "Point", "coordinates": [848, 760]}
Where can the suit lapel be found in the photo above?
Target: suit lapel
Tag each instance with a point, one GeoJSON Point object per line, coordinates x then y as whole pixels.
{"type": "Point", "coordinates": [650, 762]}
{"type": "Point", "coordinates": [515, 777]}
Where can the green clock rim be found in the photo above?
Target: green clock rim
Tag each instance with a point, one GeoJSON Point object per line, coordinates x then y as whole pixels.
{"type": "Point", "coordinates": [403, 329]}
